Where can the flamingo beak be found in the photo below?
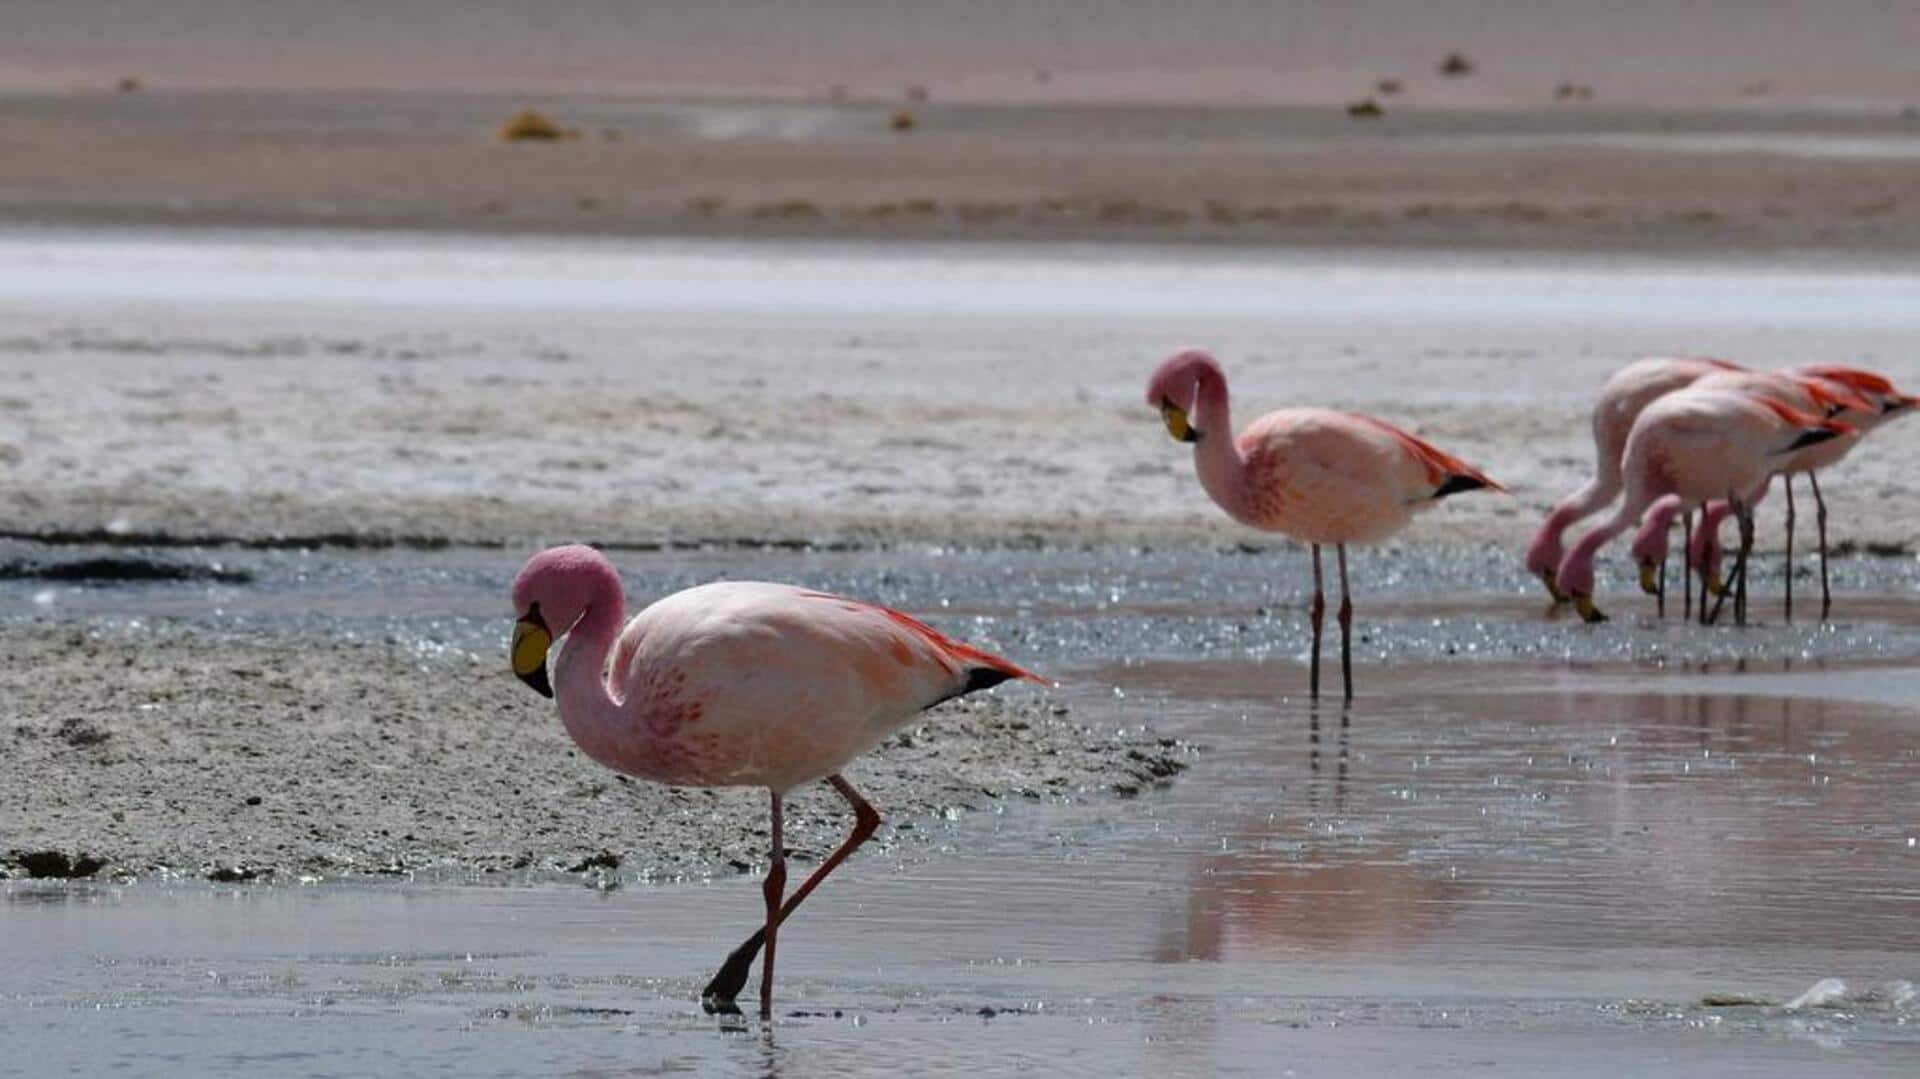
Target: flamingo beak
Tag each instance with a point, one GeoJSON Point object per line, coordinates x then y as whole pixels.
{"type": "Point", "coordinates": [1546, 578]}
{"type": "Point", "coordinates": [531, 640]}
{"type": "Point", "coordinates": [1650, 578]}
{"type": "Point", "coordinates": [1176, 420]}
{"type": "Point", "coordinates": [1712, 583]}
{"type": "Point", "coordinates": [1584, 604]}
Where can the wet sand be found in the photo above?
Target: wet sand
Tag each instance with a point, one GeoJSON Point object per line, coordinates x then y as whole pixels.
{"type": "Point", "coordinates": [289, 757]}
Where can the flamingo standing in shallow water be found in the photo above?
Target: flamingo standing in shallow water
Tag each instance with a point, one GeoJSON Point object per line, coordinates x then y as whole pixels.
{"type": "Point", "coordinates": [738, 683]}
{"type": "Point", "coordinates": [1631, 389]}
{"type": "Point", "coordinates": [1685, 449]}
{"type": "Point", "coordinates": [1860, 398]}
{"type": "Point", "coordinates": [1318, 476]}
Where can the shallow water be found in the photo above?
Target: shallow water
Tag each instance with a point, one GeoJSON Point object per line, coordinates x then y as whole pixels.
{"type": "Point", "coordinates": [1512, 863]}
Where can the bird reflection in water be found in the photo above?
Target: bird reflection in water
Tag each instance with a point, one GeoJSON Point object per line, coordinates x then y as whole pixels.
{"type": "Point", "coordinates": [1298, 881]}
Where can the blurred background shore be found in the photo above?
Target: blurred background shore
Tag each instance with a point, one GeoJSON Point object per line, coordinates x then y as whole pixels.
{"type": "Point", "coordinates": [1500, 123]}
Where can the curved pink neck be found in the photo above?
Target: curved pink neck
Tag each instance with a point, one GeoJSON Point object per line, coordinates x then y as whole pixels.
{"type": "Point", "coordinates": [1575, 575]}
{"type": "Point", "coordinates": [1223, 472]}
{"type": "Point", "coordinates": [588, 709]}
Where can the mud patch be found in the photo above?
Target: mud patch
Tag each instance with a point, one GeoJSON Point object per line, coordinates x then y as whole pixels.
{"type": "Point", "coordinates": [234, 757]}
{"type": "Point", "coordinates": [118, 570]}
{"type": "Point", "coordinates": [55, 864]}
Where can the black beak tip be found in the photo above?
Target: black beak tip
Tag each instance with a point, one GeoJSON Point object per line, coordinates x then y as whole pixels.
{"type": "Point", "coordinates": [538, 680]}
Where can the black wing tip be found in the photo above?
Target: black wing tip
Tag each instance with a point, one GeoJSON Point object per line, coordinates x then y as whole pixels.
{"type": "Point", "coordinates": [979, 678]}
{"type": "Point", "coordinates": [1457, 483]}
{"type": "Point", "coordinates": [1813, 437]}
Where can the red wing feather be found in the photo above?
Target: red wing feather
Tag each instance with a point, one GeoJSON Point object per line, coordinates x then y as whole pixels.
{"type": "Point", "coordinates": [1854, 377]}
{"type": "Point", "coordinates": [962, 654]}
{"type": "Point", "coordinates": [1440, 464]}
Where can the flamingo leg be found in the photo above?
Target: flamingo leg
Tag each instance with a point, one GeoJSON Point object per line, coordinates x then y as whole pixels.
{"type": "Point", "coordinates": [1740, 567]}
{"type": "Point", "coordinates": [1738, 581]}
{"type": "Point", "coordinates": [1319, 615]}
{"type": "Point", "coordinates": [1820, 518]}
{"type": "Point", "coordinates": [1686, 555]}
{"type": "Point", "coordinates": [1745, 512]}
{"type": "Point", "coordinates": [726, 985]}
{"type": "Point", "coordinates": [1789, 482]}
{"type": "Point", "coordinates": [773, 889]}
{"type": "Point", "coordinates": [1346, 624]}
{"type": "Point", "coordinates": [1660, 597]}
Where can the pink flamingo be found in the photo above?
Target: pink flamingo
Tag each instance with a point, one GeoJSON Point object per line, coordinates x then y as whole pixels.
{"type": "Point", "coordinates": [737, 683]}
{"type": "Point", "coordinates": [1860, 398]}
{"type": "Point", "coordinates": [1686, 448]}
{"type": "Point", "coordinates": [1318, 476]}
{"type": "Point", "coordinates": [1631, 389]}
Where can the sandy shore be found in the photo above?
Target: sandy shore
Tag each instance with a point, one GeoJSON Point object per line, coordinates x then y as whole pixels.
{"type": "Point", "coordinates": [1499, 123]}
{"type": "Point", "coordinates": [1609, 177]}
{"type": "Point", "coordinates": [291, 756]}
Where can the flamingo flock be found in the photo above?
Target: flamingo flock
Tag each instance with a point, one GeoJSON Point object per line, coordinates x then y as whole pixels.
{"type": "Point", "coordinates": [774, 686]}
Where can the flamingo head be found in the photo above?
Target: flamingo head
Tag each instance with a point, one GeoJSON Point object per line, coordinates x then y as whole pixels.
{"type": "Point", "coordinates": [1175, 387]}
{"type": "Point", "coordinates": [550, 595]}
{"type": "Point", "coordinates": [1650, 546]}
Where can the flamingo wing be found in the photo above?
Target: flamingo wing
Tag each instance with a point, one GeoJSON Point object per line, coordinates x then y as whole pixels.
{"type": "Point", "coordinates": [1446, 472]}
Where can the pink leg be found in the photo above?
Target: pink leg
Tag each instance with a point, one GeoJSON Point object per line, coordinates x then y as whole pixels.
{"type": "Point", "coordinates": [727, 984]}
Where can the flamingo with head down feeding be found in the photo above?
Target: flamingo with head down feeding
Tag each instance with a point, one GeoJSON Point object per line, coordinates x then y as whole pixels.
{"type": "Point", "coordinates": [1629, 390]}
{"type": "Point", "coordinates": [1318, 476]}
{"type": "Point", "coordinates": [738, 683]}
{"type": "Point", "coordinates": [1685, 449]}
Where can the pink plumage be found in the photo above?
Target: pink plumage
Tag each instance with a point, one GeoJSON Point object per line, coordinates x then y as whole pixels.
{"type": "Point", "coordinates": [738, 683]}
{"type": "Point", "coordinates": [1625, 394]}
{"type": "Point", "coordinates": [1316, 475]}
{"type": "Point", "coordinates": [1685, 448]}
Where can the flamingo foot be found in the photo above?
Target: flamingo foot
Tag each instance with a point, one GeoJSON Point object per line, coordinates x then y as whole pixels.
{"type": "Point", "coordinates": [720, 993]}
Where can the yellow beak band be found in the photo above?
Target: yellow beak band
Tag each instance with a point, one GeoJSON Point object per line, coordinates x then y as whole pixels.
{"type": "Point", "coordinates": [1649, 578]}
{"type": "Point", "coordinates": [1588, 612]}
{"type": "Point", "coordinates": [1715, 586]}
{"type": "Point", "coordinates": [531, 642]}
{"type": "Point", "coordinates": [1176, 421]}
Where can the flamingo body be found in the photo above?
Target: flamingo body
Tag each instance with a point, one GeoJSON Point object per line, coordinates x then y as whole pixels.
{"type": "Point", "coordinates": [745, 683]}
{"type": "Point", "coordinates": [1330, 477]}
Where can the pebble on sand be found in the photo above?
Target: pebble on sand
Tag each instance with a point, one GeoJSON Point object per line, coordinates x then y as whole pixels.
{"type": "Point", "coordinates": [531, 125]}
